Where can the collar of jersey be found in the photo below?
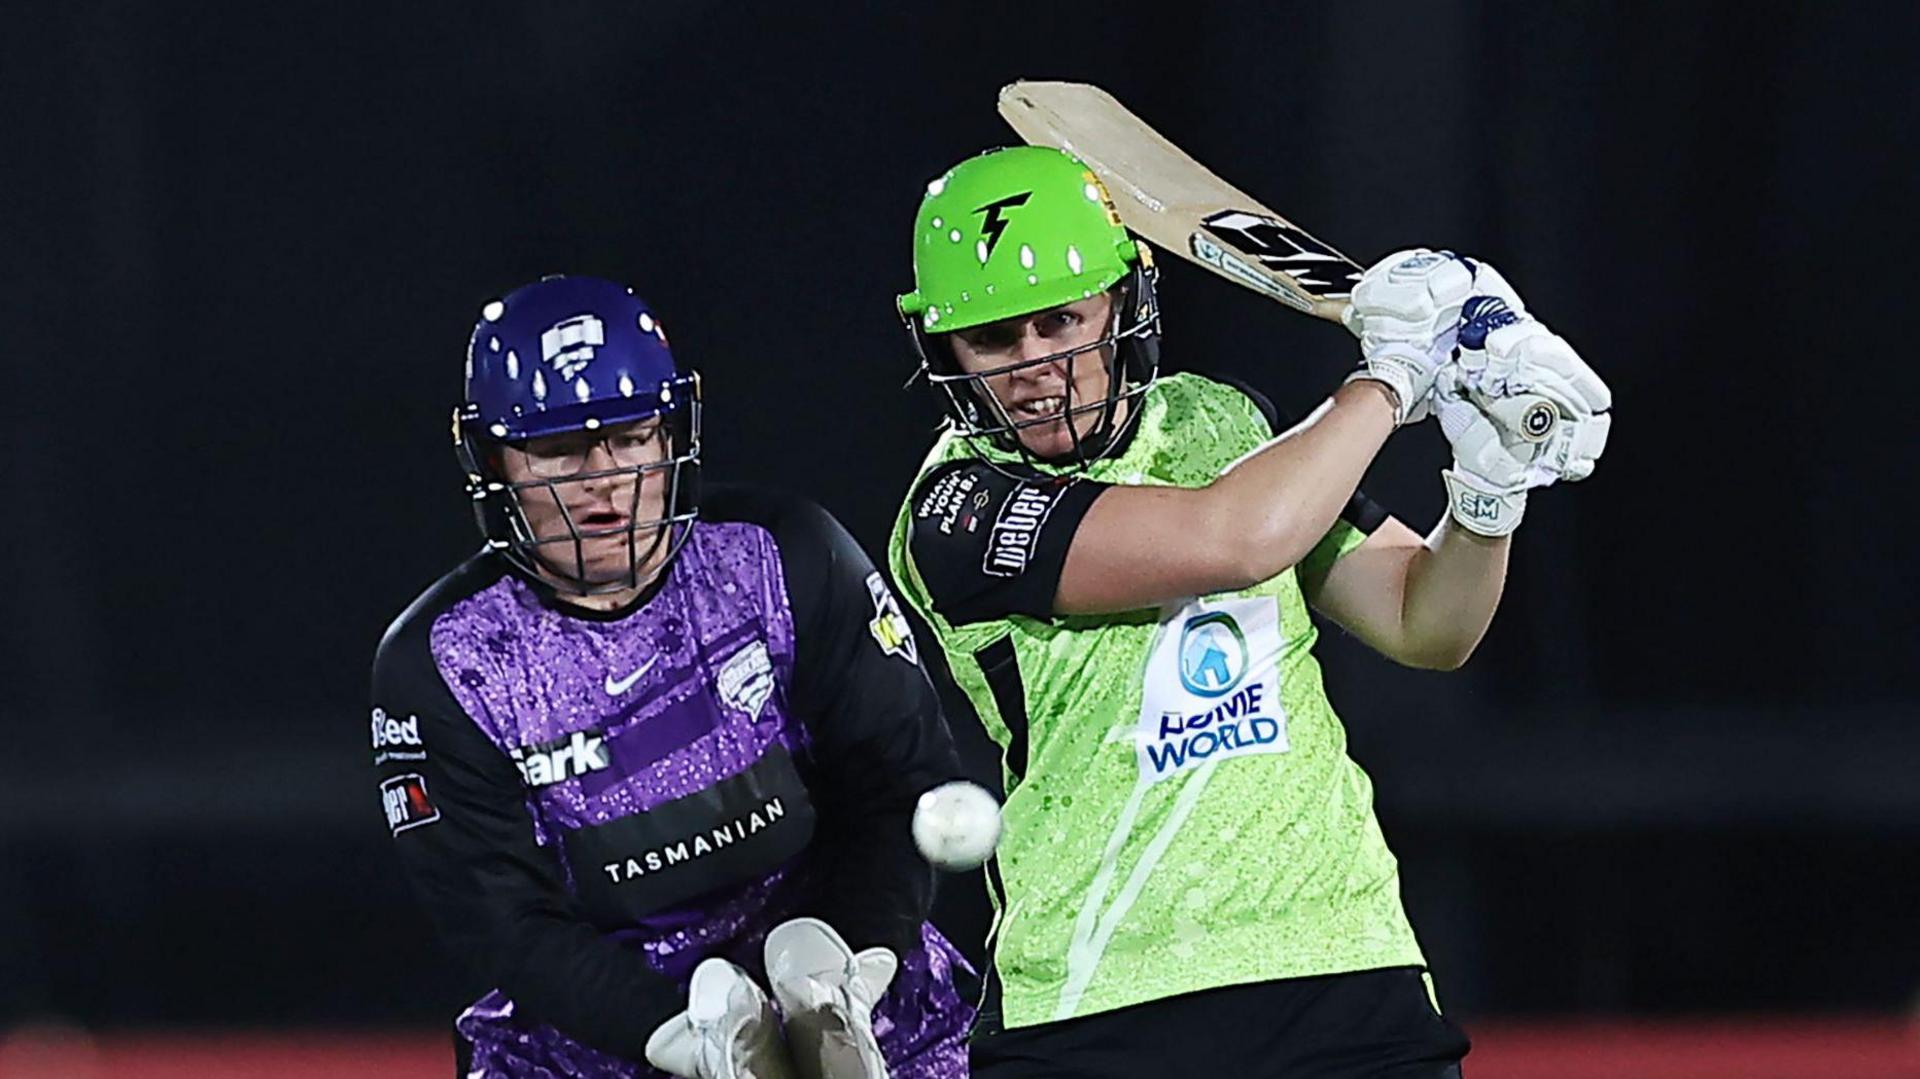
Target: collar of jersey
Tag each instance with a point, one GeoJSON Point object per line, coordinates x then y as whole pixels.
{"type": "Point", "coordinates": [554, 601]}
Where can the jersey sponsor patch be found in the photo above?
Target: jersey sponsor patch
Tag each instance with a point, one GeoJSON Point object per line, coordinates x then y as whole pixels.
{"type": "Point", "coordinates": [561, 759]}
{"type": "Point", "coordinates": [1212, 687]}
{"type": "Point", "coordinates": [1016, 530]}
{"type": "Point", "coordinates": [889, 627]}
{"type": "Point", "coordinates": [745, 680]}
{"type": "Point", "coordinates": [396, 739]}
{"type": "Point", "coordinates": [954, 502]}
{"type": "Point", "coordinates": [404, 797]}
{"type": "Point", "coordinates": [741, 828]}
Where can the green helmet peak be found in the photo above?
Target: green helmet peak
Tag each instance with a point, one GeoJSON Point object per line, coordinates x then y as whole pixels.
{"type": "Point", "coordinates": [1013, 231]}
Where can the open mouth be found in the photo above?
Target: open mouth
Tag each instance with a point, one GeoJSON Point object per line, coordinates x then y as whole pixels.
{"type": "Point", "coordinates": [602, 521]}
{"type": "Point", "coordinates": [1039, 408]}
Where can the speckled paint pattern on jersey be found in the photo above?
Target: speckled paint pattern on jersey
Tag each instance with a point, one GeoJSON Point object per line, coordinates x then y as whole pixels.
{"type": "Point", "coordinates": [613, 719]}
{"type": "Point", "coordinates": [531, 676]}
{"type": "Point", "coordinates": [1189, 817]}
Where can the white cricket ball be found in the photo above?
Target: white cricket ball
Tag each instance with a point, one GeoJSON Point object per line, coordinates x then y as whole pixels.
{"type": "Point", "coordinates": [956, 825]}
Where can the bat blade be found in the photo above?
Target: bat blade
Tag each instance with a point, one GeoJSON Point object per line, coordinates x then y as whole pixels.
{"type": "Point", "coordinates": [1176, 203]}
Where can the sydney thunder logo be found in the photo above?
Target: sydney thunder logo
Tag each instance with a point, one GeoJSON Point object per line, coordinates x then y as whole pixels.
{"type": "Point", "coordinates": [994, 224]}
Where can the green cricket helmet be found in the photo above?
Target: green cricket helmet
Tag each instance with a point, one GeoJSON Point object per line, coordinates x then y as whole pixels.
{"type": "Point", "coordinates": [1011, 232]}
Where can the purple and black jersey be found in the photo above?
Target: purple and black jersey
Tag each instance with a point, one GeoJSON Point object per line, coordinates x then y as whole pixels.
{"type": "Point", "coordinates": [590, 804]}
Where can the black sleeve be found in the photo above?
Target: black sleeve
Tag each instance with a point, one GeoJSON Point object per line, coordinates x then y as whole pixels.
{"type": "Point", "coordinates": [1276, 423]}
{"type": "Point", "coordinates": [879, 739]}
{"type": "Point", "coordinates": [989, 544]}
{"type": "Point", "coordinates": [459, 818]}
{"type": "Point", "coordinates": [1361, 512]}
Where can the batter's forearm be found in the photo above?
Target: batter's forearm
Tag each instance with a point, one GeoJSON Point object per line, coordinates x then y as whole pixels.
{"type": "Point", "coordinates": [1453, 587]}
{"type": "Point", "coordinates": [1287, 494]}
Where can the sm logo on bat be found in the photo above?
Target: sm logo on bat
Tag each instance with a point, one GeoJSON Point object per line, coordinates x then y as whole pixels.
{"type": "Point", "coordinates": [1280, 246]}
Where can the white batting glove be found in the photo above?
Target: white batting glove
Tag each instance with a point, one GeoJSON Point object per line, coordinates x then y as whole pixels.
{"type": "Point", "coordinates": [827, 992]}
{"type": "Point", "coordinates": [1521, 410]}
{"type": "Point", "coordinates": [1504, 356]}
{"type": "Point", "coordinates": [1487, 486]}
{"type": "Point", "coordinates": [1406, 312]}
{"type": "Point", "coordinates": [729, 1030]}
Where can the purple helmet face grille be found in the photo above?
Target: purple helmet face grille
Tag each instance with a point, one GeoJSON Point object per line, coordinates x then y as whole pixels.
{"type": "Point", "coordinates": [565, 354]}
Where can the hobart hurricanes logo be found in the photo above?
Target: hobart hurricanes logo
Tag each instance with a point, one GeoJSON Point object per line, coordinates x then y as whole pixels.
{"type": "Point", "coordinates": [568, 345]}
{"type": "Point", "coordinates": [1213, 655]}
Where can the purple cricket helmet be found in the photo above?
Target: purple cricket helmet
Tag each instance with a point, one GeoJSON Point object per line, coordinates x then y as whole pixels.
{"type": "Point", "coordinates": [572, 354]}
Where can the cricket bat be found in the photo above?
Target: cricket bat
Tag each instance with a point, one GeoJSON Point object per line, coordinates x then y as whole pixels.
{"type": "Point", "coordinates": [1180, 206]}
{"type": "Point", "coordinates": [1176, 203]}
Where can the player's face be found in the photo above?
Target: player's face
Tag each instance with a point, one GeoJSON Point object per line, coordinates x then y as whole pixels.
{"type": "Point", "coordinates": [1032, 393]}
{"type": "Point", "coordinates": [580, 484]}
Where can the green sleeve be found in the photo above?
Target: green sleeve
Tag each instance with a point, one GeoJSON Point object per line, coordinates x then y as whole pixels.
{"type": "Point", "coordinates": [1333, 546]}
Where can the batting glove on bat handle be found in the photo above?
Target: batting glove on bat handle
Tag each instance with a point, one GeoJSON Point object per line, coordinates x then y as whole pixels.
{"type": "Point", "coordinates": [1530, 416]}
{"type": "Point", "coordinates": [1407, 312]}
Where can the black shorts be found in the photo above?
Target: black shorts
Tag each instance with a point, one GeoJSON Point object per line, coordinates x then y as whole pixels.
{"type": "Point", "coordinates": [1336, 1026]}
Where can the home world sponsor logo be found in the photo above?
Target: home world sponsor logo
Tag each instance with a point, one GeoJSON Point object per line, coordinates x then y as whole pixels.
{"type": "Point", "coordinates": [1213, 687]}
{"type": "Point", "coordinates": [1213, 655]}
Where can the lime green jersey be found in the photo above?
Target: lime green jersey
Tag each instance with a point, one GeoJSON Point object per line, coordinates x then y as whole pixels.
{"type": "Point", "coordinates": [1181, 810]}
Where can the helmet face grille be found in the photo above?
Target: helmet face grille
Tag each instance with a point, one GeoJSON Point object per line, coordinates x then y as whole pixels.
{"type": "Point", "coordinates": [1130, 351]}
{"type": "Point", "coordinates": [560, 560]}
{"type": "Point", "coordinates": [570, 354]}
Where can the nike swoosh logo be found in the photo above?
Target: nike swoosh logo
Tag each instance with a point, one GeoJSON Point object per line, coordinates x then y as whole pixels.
{"type": "Point", "coordinates": [617, 686]}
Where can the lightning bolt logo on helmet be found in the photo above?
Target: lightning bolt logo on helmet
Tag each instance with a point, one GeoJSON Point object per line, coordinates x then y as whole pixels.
{"type": "Point", "coordinates": [994, 225]}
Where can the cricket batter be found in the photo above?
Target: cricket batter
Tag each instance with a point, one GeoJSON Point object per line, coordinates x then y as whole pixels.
{"type": "Point", "coordinates": [1119, 566]}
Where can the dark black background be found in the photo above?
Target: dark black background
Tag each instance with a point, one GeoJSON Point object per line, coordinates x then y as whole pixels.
{"type": "Point", "coordinates": [243, 246]}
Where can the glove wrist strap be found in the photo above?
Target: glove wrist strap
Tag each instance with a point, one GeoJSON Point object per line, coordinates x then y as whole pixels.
{"type": "Point", "coordinates": [1480, 509]}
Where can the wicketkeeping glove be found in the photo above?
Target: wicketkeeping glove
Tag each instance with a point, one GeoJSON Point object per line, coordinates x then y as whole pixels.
{"type": "Point", "coordinates": [827, 992]}
{"type": "Point", "coordinates": [729, 1030]}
